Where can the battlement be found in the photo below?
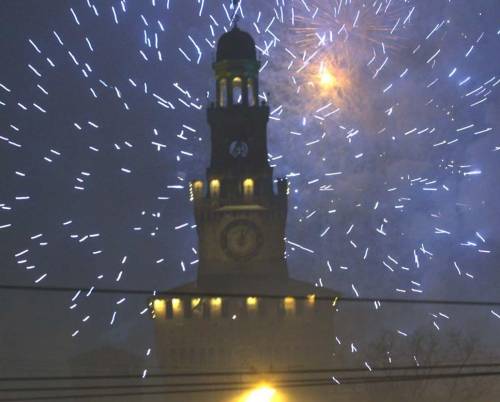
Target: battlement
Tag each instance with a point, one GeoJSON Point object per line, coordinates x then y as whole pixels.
{"type": "Point", "coordinates": [182, 308]}
{"type": "Point", "coordinates": [246, 333]}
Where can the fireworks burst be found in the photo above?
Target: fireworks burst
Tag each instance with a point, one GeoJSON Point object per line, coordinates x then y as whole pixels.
{"type": "Point", "coordinates": [383, 119]}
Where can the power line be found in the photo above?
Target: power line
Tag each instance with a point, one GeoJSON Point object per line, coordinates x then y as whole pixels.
{"type": "Point", "coordinates": [332, 370]}
{"type": "Point", "coordinates": [151, 293]}
{"type": "Point", "coordinates": [217, 383]}
{"type": "Point", "coordinates": [238, 385]}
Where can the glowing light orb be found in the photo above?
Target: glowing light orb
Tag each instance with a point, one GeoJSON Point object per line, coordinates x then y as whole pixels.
{"type": "Point", "coordinates": [261, 394]}
{"type": "Point", "coordinates": [326, 79]}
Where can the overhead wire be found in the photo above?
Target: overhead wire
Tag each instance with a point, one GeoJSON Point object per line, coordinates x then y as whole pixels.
{"type": "Point", "coordinates": [155, 293]}
{"type": "Point", "coordinates": [332, 370]}
{"type": "Point", "coordinates": [239, 385]}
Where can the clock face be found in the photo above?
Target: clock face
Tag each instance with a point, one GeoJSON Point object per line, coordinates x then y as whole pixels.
{"type": "Point", "coordinates": [241, 239]}
{"type": "Point", "coordinates": [238, 149]}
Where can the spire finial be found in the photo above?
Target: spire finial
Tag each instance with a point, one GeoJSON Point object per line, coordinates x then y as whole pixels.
{"type": "Point", "coordinates": [235, 4]}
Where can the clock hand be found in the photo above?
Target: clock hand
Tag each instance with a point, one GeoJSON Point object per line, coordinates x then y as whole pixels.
{"type": "Point", "coordinates": [241, 237]}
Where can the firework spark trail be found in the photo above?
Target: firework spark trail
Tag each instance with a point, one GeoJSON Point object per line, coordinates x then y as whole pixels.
{"type": "Point", "coordinates": [373, 110]}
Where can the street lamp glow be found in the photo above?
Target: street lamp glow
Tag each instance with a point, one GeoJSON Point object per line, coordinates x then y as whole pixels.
{"type": "Point", "coordinates": [261, 394]}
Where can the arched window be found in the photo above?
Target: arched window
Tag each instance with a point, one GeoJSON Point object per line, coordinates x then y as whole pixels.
{"type": "Point", "coordinates": [252, 304]}
{"type": "Point", "coordinates": [223, 92]}
{"type": "Point", "coordinates": [177, 307]}
{"type": "Point", "coordinates": [196, 306]}
{"type": "Point", "coordinates": [215, 306]}
{"type": "Point", "coordinates": [160, 307]}
{"type": "Point", "coordinates": [248, 187]}
{"type": "Point", "coordinates": [251, 95]}
{"type": "Point", "coordinates": [237, 91]}
{"type": "Point", "coordinates": [289, 305]}
{"type": "Point", "coordinates": [196, 189]}
{"type": "Point", "coordinates": [214, 188]}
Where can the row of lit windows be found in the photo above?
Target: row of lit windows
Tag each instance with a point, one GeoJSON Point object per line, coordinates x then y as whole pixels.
{"type": "Point", "coordinates": [178, 306]}
{"type": "Point", "coordinates": [236, 86]}
{"type": "Point", "coordinates": [214, 186]}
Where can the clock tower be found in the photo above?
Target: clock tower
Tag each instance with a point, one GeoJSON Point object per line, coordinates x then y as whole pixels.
{"type": "Point", "coordinates": [243, 313]}
{"type": "Point", "coordinates": [240, 210]}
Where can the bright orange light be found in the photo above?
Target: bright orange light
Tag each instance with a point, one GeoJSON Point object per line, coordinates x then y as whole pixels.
{"type": "Point", "coordinates": [197, 187]}
{"type": "Point", "coordinates": [289, 303]}
{"type": "Point", "coordinates": [326, 79]}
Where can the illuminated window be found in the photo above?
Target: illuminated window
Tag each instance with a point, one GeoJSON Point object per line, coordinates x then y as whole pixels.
{"type": "Point", "coordinates": [311, 299]}
{"type": "Point", "coordinates": [223, 92]}
{"type": "Point", "coordinates": [196, 306]}
{"type": "Point", "coordinates": [251, 95]}
{"type": "Point", "coordinates": [247, 187]}
{"type": "Point", "coordinates": [198, 185]}
{"type": "Point", "coordinates": [237, 92]}
{"type": "Point", "coordinates": [195, 303]}
{"type": "Point", "coordinates": [177, 307]}
{"type": "Point", "coordinates": [252, 303]}
{"type": "Point", "coordinates": [214, 188]}
{"type": "Point", "coordinates": [289, 305]}
{"type": "Point", "coordinates": [197, 188]}
{"type": "Point", "coordinates": [215, 306]}
{"type": "Point", "coordinates": [160, 308]}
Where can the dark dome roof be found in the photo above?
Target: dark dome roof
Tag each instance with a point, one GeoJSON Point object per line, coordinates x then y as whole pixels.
{"type": "Point", "coordinates": [236, 45]}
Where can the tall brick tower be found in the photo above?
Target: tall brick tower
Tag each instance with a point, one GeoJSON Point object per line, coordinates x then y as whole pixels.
{"type": "Point", "coordinates": [221, 322]}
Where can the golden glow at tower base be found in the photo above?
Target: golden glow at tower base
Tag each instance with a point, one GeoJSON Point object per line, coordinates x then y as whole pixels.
{"type": "Point", "coordinates": [262, 393]}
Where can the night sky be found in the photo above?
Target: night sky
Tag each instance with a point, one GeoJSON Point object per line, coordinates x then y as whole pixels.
{"type": "Point", "coordinates": [384, 118]}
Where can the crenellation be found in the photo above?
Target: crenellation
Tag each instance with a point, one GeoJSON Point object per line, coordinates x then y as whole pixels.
{"type": "Point", "coordinates": [226, 308]}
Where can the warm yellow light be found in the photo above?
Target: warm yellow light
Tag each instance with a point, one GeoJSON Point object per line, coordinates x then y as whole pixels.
{"type": "Point", "coordinates": [248, 187]}
{"type": "Point", "coordinates": [251, 301]}
{"type": "Point", "coordinates": [261, 394]}
{"type": "Point", "coordinates": [289, 303]}
{"type": "Point", "coordinates": [160, 307]}
{"type": "Point", "coordinates": [176, 306]}
{"type": "Point", "coordinates": [215, 306]}
{"type": "Point", "coordinates": [311, 298]}
{"type": "Point", "coordinates": [197, 188]}
{"type": "Point", "coordinates": [326, 79]}
{"type": "Point", "coordinates": [252, 304]}
{"type": "Point", "coordinates": [214, 187]}
{"type": "Point", "coordinates": [196, 306]}
{"type": "Point", "coordinates": [216, 301]}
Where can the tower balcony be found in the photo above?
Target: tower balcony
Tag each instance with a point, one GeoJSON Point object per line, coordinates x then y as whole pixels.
{"type": "Point", "coordinates": [240, 192]}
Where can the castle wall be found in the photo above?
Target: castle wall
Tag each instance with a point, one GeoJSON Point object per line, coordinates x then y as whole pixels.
{"type": "Point", "coordinates": [271, 334]}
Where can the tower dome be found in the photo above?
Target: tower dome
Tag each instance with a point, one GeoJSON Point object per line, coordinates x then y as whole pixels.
{"type": "Point", "coordinates": [236, 45]}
